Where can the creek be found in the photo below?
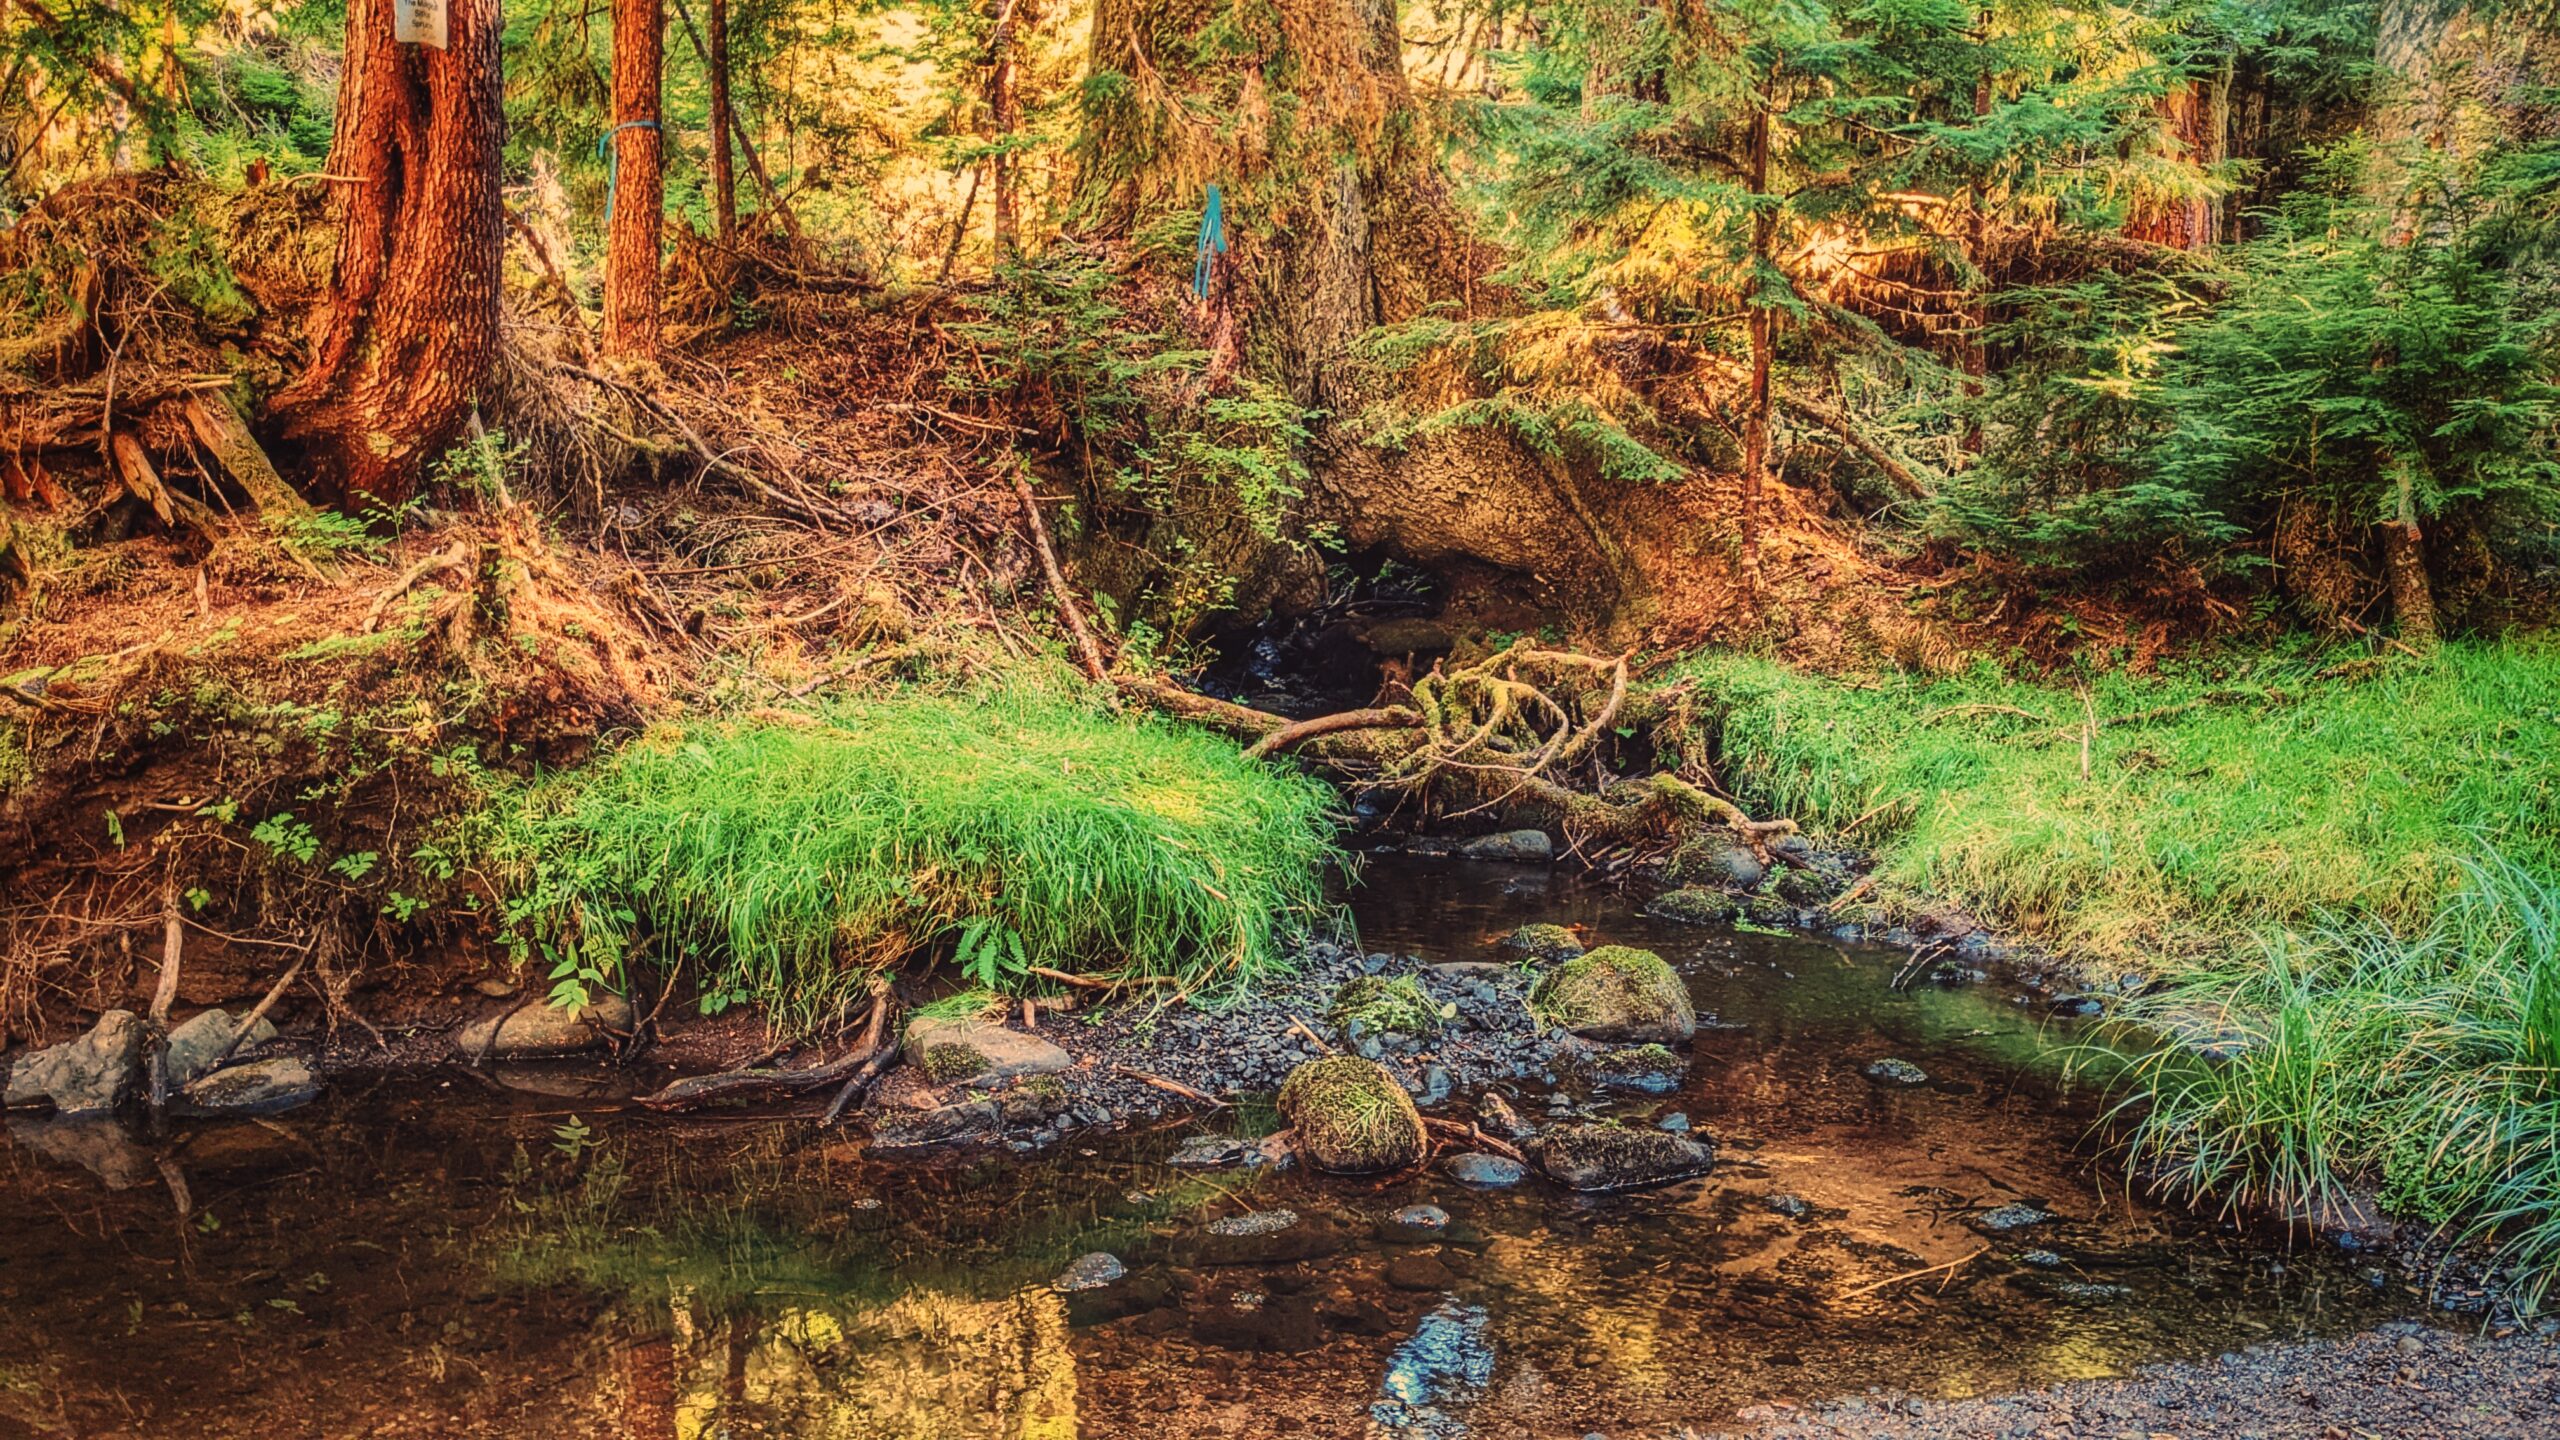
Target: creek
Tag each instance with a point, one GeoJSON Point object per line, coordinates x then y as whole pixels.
{"type": "Point", "coordinates": [518, 1254]}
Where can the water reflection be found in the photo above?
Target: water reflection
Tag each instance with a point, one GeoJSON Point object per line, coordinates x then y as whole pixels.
{"type": "Point", "coordinates": [434, 1259]}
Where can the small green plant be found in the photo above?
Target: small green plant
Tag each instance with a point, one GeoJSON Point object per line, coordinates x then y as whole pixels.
{"type": "Point", "coordinates": [282, 834]}
{"type": "Point", "coordinates": [1383, 1005]}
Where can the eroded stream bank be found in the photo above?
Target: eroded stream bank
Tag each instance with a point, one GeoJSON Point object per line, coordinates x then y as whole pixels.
{"type": "Point", "coordinates": [436, 1257]}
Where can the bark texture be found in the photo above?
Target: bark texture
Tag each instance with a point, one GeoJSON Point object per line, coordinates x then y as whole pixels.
{"type": "Point", "coordinates": [410, 327]}
{"type": "Point", "coordinates": [724, 177]}
{"type": "Point", "coordinates": [631, 276]}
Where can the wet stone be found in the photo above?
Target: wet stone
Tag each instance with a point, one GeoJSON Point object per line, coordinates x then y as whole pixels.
{"type": "Point", "coordinates": [1543, 942]}
{"type": "Point", "coordinates": [2000, 1220]}
{"type": "Point", "coordinates": [1419, 1273]}
{"type": "Point", "coordinates": [1090, 1272]}
{"type": "Point", "coordinates": [1420, 1220]}
{"type": "Point", "coordinates": [1675, 1122]}
{"type": "Point", "coordinates": [1519, 846]}
{"type": "Point", "coordinates": [978, 1053]}
{"type": "Point", "coordinates": [1498, 1118]}
{"type": "Point", "coordinates": [88, 1076]}
{"type": "Point", "coordinates": [1794, 1207]}
{"type": "Point", "coordinates": [1488, 1172]}
{"type": "Point", "coordinates": [542, 1028]}
{"type": "Point", "coordinates": [1693, 906]}
{"type": "Point", "coordinates": [1897, 1072]}
{"type": "Point", "coordinates": [1253, 1224]}
{"type": "Point", "coordinates": [2041, 1259]}
{"type": "Point", "coordinates": [1613, 1157]}
{"type": "Point", "coordinates": [262, 1087]}
{"type": "Point", "coordinates": [193, 1045]}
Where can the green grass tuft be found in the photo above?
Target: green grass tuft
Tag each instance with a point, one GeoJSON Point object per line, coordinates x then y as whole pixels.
{"type": "Point", "coordinates": [790, 857]}
{"type": "Point", "coordinates": [2190, 832]}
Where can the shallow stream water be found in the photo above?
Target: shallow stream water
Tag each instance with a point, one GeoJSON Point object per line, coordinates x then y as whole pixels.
{"type": "Point", "coordinates": [516, 1255]}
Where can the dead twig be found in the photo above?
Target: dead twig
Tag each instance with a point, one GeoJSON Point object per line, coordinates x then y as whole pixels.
{"type": "Point", "coordinates": [1890, 1281]}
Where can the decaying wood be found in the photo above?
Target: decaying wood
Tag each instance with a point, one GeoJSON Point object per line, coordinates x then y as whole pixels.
{"type": "Point", "coordinates": [218, 426]}
{"type": "Point", "coordinates": [696, 1090]}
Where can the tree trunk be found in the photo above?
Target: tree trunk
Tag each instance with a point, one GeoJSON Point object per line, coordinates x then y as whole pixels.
{"type": "Point", "coordinates": [2195, 116]}
{"type": "Point", "coordinates": [1755, 418]}
{"type": "Point", "coordinates": [638, 186]}
{"type": "Point", "coordinates": [1004, 116]}
{"type": "Point", "coordinates": [2404, 566]}
{"type": "Point", "coordinates": [724, 179]}
{"type": "Point", "coordinates": [410, 325]}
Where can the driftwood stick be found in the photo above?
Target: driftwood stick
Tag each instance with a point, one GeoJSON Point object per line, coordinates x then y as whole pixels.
{"type": "Point", "coordinates": [1469, 1134]}
{"type": "Point", "coordinates": [1173, 1087]}
{"type": "Point", "coordinates": [1892, 1280]}
{"type": "Point", "coordinates": [1390, 717]}
{"type": "Point", "coordinates": [697, 1090]}
{"type": "Point", "coordinates": [1088, 982]}
{"type": "Point", "coordinates": [258, 1012]}
{"type": "Point", "coordinates": [172, 942]}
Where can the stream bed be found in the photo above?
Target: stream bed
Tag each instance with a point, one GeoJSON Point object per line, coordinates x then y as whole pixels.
{"type": "Point", "coordinates": [520, 1255]}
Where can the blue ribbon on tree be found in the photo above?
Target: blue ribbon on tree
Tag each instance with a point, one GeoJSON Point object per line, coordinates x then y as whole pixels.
{"type": "Point", "coordinates": [1213, 242]}
{"type": "Point", "coordinates": [609, 150]}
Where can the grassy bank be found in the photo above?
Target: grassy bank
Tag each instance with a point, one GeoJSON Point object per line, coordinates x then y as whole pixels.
{"type": "Point", "coordinates": [2349, 872]}
{"type": "Point", "coordinates": [2148, 819]}
{"type": "Point", "coordinates": [790, 856]}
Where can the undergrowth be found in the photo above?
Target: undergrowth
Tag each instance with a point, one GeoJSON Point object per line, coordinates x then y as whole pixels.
{"type": "Point", "coordinates": [2428, 1063]}
{"type": "Point", "coordinates": [2213, 802]}
{"type": "Point", "coordinates": [790, 857]}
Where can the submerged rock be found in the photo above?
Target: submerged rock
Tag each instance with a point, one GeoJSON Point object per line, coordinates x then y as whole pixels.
{"type": "Point", "coordinates": [539, 1029]}
{"type": "Point", "coordinates": [1211, 1152]}
{"type": "Point", "coordinates": [1892, 1071]}
{"type": "Point", "coordinates": [978, 1052]}
{"type": "Point", "coordinates": [1729, 865]}
{"type": "Point", "coordinates": [1545, 943]}
{"type": "Point", "coordinates": [193, 1046]}
{"type": "Point", "coordinates": [1419, 1220]}
{"type": "Point", "coordinates": [88, 1076]}
{"type": "Point", "coordinates": [1693, 906]}
{"type": "Point", "coordinates": [1498, 1118]}
{"type": "Point", "coordinates": [1487, 1172]}
{"type": "Point", "coordinates": [1253, 1224]}
{"type": "Point", "coordinates": [261, 1087]}
{"type": "Point", "coordinates": [1614, 1157]}
{"type": "Point", "coordinates": [966, 1120]}
{"type": "Point", "coordinates": [1351, 1116]}
{"type": "Point", "coordinates": [1530, 847]}
{"type": "Point", "coordinates": [2003, 1219]}
{"type": "Point", "coordinates": [1090, 1272]}
{"type": "Point", "coordinates": [1616, 993]}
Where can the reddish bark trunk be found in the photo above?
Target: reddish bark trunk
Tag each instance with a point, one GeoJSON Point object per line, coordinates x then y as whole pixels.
{"type": "Point", "coordinates": [639, 192]}
{"type": "Point", "coordinates": [1755, 420]}
{"type": "Point", "coordinates": [2194, 114]}
{"type": "Point", "coordinates": [1004, 107]}
{"type": "Point", "coordinates": [411, 323]}
{"type": "Point", "coordinates": [724, 179]}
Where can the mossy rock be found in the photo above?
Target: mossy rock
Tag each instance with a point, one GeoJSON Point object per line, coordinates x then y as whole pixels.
{"type": "Point", "coordinates": [1645, 1069]}
{"type": "Point", "coordinates": [1769, 910]}
{"type": "Point", "coordinates": [943, 1064]}
{"type": "Point", "coordinates": [1616, 992]}
{"type": "Point", "coordinates": [1351, 1117]}
{"type": "Point", "coordinates": [1808, 888]}
{"type": "Point", "coordinates": [1543, 943]}
{"type": "Point", "coordinates": [1383, 1006]}
{"type": "Point", "coordinates": [1693, 906]}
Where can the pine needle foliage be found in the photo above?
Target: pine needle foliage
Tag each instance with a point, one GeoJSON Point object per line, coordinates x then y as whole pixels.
{"type": "Point", "coordinates": [789, 859]}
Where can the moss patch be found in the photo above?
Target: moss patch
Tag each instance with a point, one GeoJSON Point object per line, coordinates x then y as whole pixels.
{"type": "Point", "coordinates": [1382, 1005]}
{"type": "Point", "coordinates": [1693, 906]}
{"type": "Point", "coordinates": [1351, 1116]}
{"type": "Point", "coordinates": [1544, 942]}
{"type": "Point", "coordinates": [944, 1064]}
{"type": "Point", "coordinates": [1615, 993]}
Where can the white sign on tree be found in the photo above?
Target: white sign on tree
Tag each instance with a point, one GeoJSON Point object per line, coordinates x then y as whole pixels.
{"type": "Point", "coordinates": [418, 22]}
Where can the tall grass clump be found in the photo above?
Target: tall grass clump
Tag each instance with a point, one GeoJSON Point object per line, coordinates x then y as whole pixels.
{"type": "Point", "coordinates": [791, 857]}
{"type": "Point", "coordinates": [2427, 1066]}
{"type": "Point", "coordinates": [2213, 803]}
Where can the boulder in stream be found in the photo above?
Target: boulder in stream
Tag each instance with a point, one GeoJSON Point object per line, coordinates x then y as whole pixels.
{"type": "Point", "coordinates": [261, 1087]}
{"type": "Point", "coordinates": [1487, 1172]}
{"type": "Point", "coordinates": [88, 1076]}
{"type": "Point", "coordinates": [978, 1052]}
{"type": "Point", "coordinates": [1616, 1157]}
{"type": "Point", "coordinates": [541, 1028]}
{"type": "Point", "coordinates": [1528, 847]}
{"type": "Point", "coordinates": [193, 1046]}
{"type": "Point", "coordinates": [1694, 905]}
{"type": "Point", "coordinates": [1351, 1117]}
{"type": "Point", "coordinates": [1616, 992]}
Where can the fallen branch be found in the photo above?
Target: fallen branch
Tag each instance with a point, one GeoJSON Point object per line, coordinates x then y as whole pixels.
{"type": "Point", "coordinates": [1389, 717]}
{"type": "Point", "coordinates": [258, 1012]}
{"type": "Point", "coordinates": [1091, 982]}
{"type": "Point", "coordinates": [697, 1090]}
{"type": "Point", "coordinates": [1893, 1280]}
{"type": "Point", "coordinates": [1466, 1133]}
{"type": "Point", "coordinates": [1173, 1087]}
{"type": "Point", "coordinates": [1088, 653]}
{"type": "Point", "coordinates": [456, 556]}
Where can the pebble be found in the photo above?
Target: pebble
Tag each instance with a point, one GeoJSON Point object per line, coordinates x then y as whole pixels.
{"type": "Point", "coordinates": [2002, 1219]}
{"type": "Point", "coordinates": [1674, 1122]}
